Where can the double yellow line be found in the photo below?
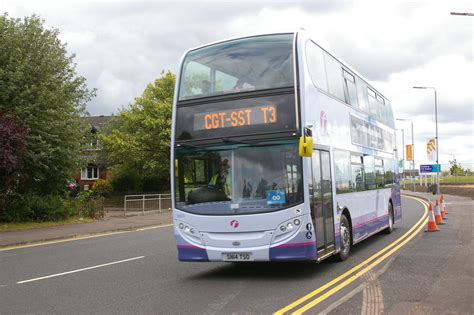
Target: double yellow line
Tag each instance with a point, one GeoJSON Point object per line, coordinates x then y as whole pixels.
{"type": "Point", "coordinates": [313, 298]}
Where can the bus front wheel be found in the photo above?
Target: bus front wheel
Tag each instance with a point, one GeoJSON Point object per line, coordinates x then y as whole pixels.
{"type": "Point", "coordinates": [345, 239]}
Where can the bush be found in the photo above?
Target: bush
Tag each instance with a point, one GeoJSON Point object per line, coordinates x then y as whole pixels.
{"type": "Point", "coordinates": [126, 182]}
{"type": "Point", "coordinates": [101, 187]}
{"type": "Point", "coordinates": [32, 207]}
{"type": "Point", "coordinates": [89, 205]}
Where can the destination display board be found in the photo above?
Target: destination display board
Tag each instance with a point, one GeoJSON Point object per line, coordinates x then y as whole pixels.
{"type": "Point", "coordinates": [368, 135]}
{"type": "Point", "coordinates": [238, 117]}
{"type": "Point", "coordinates": [266, 114]}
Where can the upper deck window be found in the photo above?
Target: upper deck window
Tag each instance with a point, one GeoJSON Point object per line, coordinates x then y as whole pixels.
{"type": "Point", "coordinates": [248, 64]}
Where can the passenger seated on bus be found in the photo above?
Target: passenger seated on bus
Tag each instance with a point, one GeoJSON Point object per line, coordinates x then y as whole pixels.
{"type": "Point", "coordinates": [247, 190]}
{"type": "Point", "coordinates": [219, 180]}
{"type": "Point", "coordinates": [205, 87]}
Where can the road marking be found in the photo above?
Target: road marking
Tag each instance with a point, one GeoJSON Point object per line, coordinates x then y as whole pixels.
{"type": "Point", "coordinates": [421, 222]}
{"type": "Point", "coordinates": [153, 227]}
{"type": "Point", "coordinates": [79, 270]}
{"type": "Point", "coordinates": [358, 289]}
{"type": "Point", "coordinates": [357, 275]}
{"type": "Point", "coordinates": [80, 238]}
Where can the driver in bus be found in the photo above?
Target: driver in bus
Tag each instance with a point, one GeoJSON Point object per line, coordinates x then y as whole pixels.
{"type": "Point", "coordinates": [219, 180]}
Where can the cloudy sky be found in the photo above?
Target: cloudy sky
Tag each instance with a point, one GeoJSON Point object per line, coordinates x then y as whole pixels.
{"type": "Point", "coordinates": [121, 46]}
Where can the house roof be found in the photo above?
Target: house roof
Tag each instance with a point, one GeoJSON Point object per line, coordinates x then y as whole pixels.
{"type": "Point", "coordinates": [98, 122]}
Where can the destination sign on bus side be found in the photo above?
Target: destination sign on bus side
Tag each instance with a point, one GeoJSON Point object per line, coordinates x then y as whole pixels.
{"type": "Point", "coordinates": [259, 115]}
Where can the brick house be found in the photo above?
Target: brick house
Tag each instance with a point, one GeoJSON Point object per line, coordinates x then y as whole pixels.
{"type": "Point", "coordinates": [95, 168]}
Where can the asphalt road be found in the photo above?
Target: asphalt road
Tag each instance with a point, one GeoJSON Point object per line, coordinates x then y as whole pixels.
{"type": "Point", "coordinates": [138, 272]}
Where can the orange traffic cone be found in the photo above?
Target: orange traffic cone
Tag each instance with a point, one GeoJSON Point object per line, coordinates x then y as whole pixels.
{"type": "Point", "coordinates": [438, 217]}
{"type": "Point", "coordinates": [443, 205]}
{"type": "Point", "coordinates": [432, 227]}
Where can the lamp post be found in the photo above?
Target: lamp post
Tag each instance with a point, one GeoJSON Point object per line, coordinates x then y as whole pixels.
{"type": "Point", "coordinates": [436, 137]}
{"type": "Point", "coordinates": [413, 151]}
{"type": "Point", "coordinates": [403, 156]}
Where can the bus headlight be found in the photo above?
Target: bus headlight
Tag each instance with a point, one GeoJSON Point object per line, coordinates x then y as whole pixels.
{"type": "Point", "coordinates": [189, 233]}
{"type": "Point", "coordinates": [286, 229]}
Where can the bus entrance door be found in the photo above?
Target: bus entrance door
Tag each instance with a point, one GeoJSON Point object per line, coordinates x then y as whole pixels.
{"type": "Point", "coordinates": [321, 203]}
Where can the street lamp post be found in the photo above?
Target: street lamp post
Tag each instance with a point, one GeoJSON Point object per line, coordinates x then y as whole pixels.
{"type": "Point", "coordinates": [412, 150]}
{"type": "Point", "coordinates": [403, 156]}
{"type": "Point", "coordinates": [436, 127]}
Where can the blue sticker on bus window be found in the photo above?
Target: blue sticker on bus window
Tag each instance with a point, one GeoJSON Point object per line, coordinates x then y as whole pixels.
{"type": "Point", "coordinates": [276, 197]}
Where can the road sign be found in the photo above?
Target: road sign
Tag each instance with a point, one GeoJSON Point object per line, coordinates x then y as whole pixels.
{"type": "Point", "coordinates": [430, 168]}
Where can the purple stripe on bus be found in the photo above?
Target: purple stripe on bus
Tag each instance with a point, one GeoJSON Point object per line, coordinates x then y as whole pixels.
{"type": "Point", "coordinates": [296, 244]}
{"type": "Point", "coordinates": [192, 253]}
{"type": "Point", "coordinates": [189, 246]}
{"type": "Point", "coordinates": [295, 253]}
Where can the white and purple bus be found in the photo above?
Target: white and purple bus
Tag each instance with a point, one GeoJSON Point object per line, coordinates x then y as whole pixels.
{"type": "Point", "coordinates": [280, 151]}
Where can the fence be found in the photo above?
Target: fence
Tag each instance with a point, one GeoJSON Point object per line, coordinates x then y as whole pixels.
{"type": "Point", "coordinates": [143, 203]}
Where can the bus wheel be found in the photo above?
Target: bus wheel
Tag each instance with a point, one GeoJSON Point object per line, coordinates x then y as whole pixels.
{"type": "Point", "coordinates": [345, 239]}
{"type": "Point", "coordinates": [389, 228]}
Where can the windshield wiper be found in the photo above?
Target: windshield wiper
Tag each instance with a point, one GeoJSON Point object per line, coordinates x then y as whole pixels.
{"type": "Point", "coordinates": [186, 145]}
{"type": "Point", "coordinates": [229, 140]}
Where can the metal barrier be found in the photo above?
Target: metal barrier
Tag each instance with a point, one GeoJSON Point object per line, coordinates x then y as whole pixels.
{"type": "Point", "coordinates": [151, 202]}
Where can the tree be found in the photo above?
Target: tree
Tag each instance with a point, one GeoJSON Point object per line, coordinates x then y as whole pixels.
{"type": "Point", "coordinates": [12, 145]}
{"type": "Point", "coordinates": [39, 86]}
{"type": "Point", "coordinates": [137, 142]}
{"type": "Point", "coordinates": [455, 168]}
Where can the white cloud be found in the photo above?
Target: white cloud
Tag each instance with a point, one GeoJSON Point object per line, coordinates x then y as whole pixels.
{"type": "Point", "coordinates": [122, 46]}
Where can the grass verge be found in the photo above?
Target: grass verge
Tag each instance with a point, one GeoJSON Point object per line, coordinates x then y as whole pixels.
{"type": "Point", "coordinates": [7, 227]}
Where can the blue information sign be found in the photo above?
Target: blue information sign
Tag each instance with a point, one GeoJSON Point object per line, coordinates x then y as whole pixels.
{"type": "Point", "coordinates": [430, 168]}
{"type": "Point", "coordinates": [276, 197]}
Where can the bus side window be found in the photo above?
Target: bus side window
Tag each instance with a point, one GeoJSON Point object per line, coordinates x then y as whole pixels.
{"type": "Point", "coordinates": [342, 171]}
{"type": "Point", "coordinates": [362, 95]}
{"type": "Point", "coordinates": [350, 90]}
{"type": "Point", "coordinates": [369, 172]}
{"type": "Point", "coordinates": [316, 66]}
{"type": "Point", "coordinates": [379, 173]}
{"type": "Point", "coordinates": [334, 76]}
{"type": "Point", "coordinates": [357, 169]}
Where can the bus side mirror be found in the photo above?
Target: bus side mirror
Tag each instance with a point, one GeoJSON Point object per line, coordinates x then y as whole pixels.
{"type": "Point", "coordinates": [306, 144]}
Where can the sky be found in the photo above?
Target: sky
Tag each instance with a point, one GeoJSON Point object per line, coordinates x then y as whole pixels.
{"type": "Point", "coordinates": [121, 46]}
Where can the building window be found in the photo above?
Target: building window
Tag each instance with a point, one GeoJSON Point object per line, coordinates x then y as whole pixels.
{"type": "Point", "coordinates": [90, 172]}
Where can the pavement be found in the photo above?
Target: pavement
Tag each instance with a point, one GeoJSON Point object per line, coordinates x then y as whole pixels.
{"type": "Point", "coordinates": [111, 223]}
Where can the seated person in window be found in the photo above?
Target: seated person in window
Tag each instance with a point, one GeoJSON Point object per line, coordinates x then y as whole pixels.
{"type": "Point", "coordinates": [219, 180]}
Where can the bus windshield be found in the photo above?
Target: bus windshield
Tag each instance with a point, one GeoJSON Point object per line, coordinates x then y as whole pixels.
{"type": "Point", "coordinates": [248, 64]}
{"type": "Point", "coordinates": [238, 179]}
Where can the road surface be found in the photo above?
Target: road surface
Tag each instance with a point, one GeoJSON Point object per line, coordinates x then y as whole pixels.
{"type": "Point", "coordinates": [138, 272]}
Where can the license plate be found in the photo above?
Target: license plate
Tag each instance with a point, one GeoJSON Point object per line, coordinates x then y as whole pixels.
{"type": "Point", "coordinates": [237, 257]}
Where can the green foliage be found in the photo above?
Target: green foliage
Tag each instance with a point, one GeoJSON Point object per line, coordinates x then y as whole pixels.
{"type": "Point", "coordinates": [455, 168]}
{"type": "Point", "coordinates": [126, 180]}
{"type": "Point", "coordinates": [137, 142]}
{"type": "Point", "coordinates": [12, 145]}
{"type": "Point", "coordinates": [40, 87]}
{"type": "Point", "coordinates": [32, 207]}
{"type": "Point", "coordinates": [89, 205]}
{"type": "Point", "coordinates": [101, 187]}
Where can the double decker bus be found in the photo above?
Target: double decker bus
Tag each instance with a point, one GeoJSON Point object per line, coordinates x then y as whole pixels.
{"type": "Point", "coordinates": [280, 151]}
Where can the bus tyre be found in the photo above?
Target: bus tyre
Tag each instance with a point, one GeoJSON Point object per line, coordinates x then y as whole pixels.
{"type": "Point", "coordinates": [345, 239]}
{"type": "Point", "coordinates": [389, 228]}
